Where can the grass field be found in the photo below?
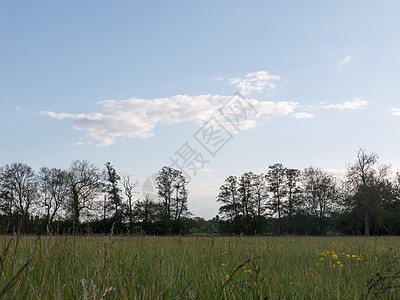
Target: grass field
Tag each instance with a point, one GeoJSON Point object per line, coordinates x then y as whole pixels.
{"type": "Point", "coordinates": [198, 267]}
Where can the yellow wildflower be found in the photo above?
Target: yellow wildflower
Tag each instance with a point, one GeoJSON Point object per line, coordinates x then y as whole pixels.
{"type": "Point", "coordinates": [227, 277]}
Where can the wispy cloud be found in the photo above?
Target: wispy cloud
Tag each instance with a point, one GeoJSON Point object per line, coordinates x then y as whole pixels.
{"type": "Point", "coordinates": [395, 111]}
{"type": "Point", "coordinates": [137, 118]}
{"type": "Point", "coordinates": [255, 82]}
{"type": "Point", "coordinates": [357, 103]}
{"type": "Point", "coordinates": [218, 78]}
{"type": "Point", "coordinates": [345, 60]}
{"type": "Point", "coordinates": [303, 115]}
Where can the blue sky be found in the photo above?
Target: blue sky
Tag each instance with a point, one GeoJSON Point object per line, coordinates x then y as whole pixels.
{"type": "Point", "coordinates": [130, 82]}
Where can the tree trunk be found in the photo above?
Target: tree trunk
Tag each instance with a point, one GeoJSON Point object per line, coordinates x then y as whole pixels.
{"type": "Point", "coordinates": [75, 207]}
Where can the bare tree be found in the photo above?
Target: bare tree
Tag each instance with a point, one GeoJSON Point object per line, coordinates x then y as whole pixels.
{"type": "Point", "coordinates": [129, 187]}
{"type": "Point", "coordinates": [19, 188]}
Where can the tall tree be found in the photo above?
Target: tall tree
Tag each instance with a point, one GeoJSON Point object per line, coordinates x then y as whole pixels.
{"type": "Point", "coordinates": [19, 188]}
{"type": "Point", "coordinates": [113, 192]}
{"type": "Point", "coordinates": [293, 190]}
{"type": "Point", "coordinates": [85, 183]}
{"type": "Point", "coordinates": [276, 178]}
{"type": "Point", "coordinates": [362, 177]}
{"type": "Point", "coordinates": [228, 196]}
{"type": "Point", "coordinates": [172, 191]}
{"type": "Point", "coordinates": [319, 195]}
{"type": "Point", "coordinates": [292, 198]}
{"type": "Point", "coordinates": [260, 197]}
{"type": "Point", "coordinates": [129, 187]}
{"type": "Point", "coordinates": [54, 190]}
{"type": "Point", "coordinates": [246, 196]}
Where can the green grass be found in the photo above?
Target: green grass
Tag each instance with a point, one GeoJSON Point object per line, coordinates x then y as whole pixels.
{"type": "Point", "coordinates": [197, 267]}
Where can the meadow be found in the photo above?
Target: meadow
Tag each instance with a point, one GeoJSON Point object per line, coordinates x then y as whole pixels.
{"type": "Point", "coordinates": [143, 267]}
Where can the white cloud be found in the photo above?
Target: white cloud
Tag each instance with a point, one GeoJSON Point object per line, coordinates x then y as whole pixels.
{"type": "Point", "coordinates": [255, 82]}
{"type": "Point", "coordinates": [218, 78]}
{"type": "Point", "coordinates": [357, 103]}
{"type": "Point", "coordinates": [345, 60]}
{"type": "Point", "coordinates": [137, 118]}
{"type": "Point", "coordinates": [303, 115]}
{"type": "Point", "coordinates": [395, 111]}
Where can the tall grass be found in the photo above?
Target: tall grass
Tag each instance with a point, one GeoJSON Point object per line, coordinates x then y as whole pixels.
{"type": "Point", "coordinates": [92, 267]}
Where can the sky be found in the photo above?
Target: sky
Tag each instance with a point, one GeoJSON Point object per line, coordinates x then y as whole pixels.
{"type": "Point", "coordinates": [215, 88]}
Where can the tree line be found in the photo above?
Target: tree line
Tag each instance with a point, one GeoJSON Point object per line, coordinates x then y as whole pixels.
{"type": "Point", "coordinates": [87, 199]}
{"type": "Point", "coordinates": [312, 201]}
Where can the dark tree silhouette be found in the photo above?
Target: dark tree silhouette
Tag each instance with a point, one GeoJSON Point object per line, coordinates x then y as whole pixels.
{"type": "Point", "coordinates": [54, 191]}
{"type": "Point", "coordinates": [85, 183]}
{"type": "Point", "coordinates": [172, 192]}
{"type": "Point", "coordinates": [363, 178]}
{"type": "Point", "coordinates": [19, 188]}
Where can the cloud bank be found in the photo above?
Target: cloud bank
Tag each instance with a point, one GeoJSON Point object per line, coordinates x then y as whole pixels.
{"type": "Point", "coordinates": [137, 118]}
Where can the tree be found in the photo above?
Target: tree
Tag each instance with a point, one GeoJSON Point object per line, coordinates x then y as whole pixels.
{"type": "Point", "coordinates": [293, 190]}
{"type": "Point", "coordinates": [246, 196]}
{"type": "Point", "coordinates": [293, 195]}
{"type": "Point", "coordinates": [113, 192]}
{"type": "Point", "coordinates": [149, 213]}
{"type": "Point", "coordinates": [19, 189]}
{"type": "Point", "coordinates": [54, 192]}
{"type": "Point", "coordinates": [128, 190]}
{"type": "Point", "coordinates": [172, 192]}
{"type": "Point", "coordinates": [228, 196]}
{"type": "Point", "coordinates": [85, 183]}
{"type": "Point", "coordinates": [319, 195]}
{"type": "Point", "coordinates": [362, 178]}
{"type": "Point", "coordinates": [277, 186]}
{"type": "Point", "coordinates": [260, 197]}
